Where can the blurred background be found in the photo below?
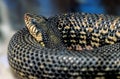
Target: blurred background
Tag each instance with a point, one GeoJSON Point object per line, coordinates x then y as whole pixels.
{"type": "Point", "coordinates": [12, 12]}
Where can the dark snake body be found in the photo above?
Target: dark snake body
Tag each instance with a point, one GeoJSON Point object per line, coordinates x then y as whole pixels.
{"type": "Point", "coordinates": [29, 60]}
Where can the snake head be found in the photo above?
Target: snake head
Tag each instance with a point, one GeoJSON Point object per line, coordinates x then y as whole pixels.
{"type": "Point", "coordinates": [32, 19]}
{"type": "Point", "coordinates": [36, 25]}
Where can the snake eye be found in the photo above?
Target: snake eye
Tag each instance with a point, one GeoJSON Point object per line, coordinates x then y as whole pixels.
{"type": "Point", "coordinates": [33, 21]}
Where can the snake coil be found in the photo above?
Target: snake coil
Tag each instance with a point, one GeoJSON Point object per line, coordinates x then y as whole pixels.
{"type": "Point", "coordinates": [39, 51]}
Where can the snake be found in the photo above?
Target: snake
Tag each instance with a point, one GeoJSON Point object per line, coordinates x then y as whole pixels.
{"type": "Point", "coordinates": [67, 46]}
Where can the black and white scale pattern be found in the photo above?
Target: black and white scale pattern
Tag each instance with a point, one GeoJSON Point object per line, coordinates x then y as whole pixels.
{"type": "Point", "coordinates": [29, 60]}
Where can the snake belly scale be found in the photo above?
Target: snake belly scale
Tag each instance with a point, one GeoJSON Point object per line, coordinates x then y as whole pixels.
{"type": "Point", "coordinates": [40, 51]}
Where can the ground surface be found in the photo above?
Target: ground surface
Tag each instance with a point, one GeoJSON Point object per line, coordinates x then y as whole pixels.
{"type": "Point", "coordinates": [5, 72]}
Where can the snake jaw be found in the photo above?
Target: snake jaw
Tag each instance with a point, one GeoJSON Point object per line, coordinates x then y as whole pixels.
{"type": "Point", "coordinates": [30, 22]}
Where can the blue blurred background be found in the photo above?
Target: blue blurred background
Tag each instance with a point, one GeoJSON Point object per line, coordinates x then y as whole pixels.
{"type": "Point", "coordinates": [12, 12]}
{"type": "Point", "coordinates": [15, 9]}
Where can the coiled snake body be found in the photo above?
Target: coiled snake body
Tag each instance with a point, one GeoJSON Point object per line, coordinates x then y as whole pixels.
{"type": "Point", "coordinates": [41, 51]}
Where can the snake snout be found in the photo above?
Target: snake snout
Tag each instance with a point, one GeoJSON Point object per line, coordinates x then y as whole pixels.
{"type": "Point", "coordinates": [27, 17]}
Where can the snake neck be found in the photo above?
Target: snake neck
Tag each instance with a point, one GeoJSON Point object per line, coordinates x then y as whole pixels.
{"type": "Point", "coordinates": [51, 38]}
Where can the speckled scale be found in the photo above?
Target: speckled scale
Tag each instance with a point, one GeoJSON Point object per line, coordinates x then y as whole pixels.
{"type": "Point", "coordinates": [85, 29]}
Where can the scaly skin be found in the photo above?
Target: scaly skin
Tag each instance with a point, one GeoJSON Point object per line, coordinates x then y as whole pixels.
{"type": "Point", "coordinates": [32, 60]}
{"type": "Point", "coordinates": [79, 31]}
